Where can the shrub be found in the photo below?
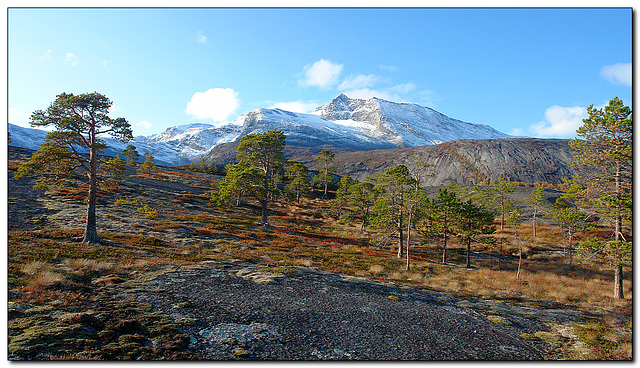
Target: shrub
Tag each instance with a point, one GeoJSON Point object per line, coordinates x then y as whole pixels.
{"type": "Point", "coordinates": [149, 212]}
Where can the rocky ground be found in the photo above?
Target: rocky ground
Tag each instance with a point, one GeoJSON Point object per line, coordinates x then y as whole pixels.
{"type": "Point", "coordinates": [234, 310]}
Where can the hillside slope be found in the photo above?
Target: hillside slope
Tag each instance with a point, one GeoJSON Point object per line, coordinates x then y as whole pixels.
{"type": "Point", "coordinates": [466, 162]}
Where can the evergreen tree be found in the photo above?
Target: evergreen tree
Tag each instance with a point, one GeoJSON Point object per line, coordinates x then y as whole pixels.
{"type": "Point", "coordinates": [496, 198]}
{"type": "Point", "coordinates": [240, 179]}
{"type": "Point", "coordinates": [131, 154]}
{"type": "Point", "coordinates": [147, 166]}
{"type": "Point", "coordinates": [79, 121]}
{"type": "Point", "coordinates": [474, 220]}
{"type": "Point", "coordinates": [341, 200]}
{"type": "Point", "coordinates": [362, 196]}
{"type": "Point", "coordinates": [536, 200]}
{"type": "Point", "coordinates": [264, 152]}
{"type": "Point", "coordinates": [298, 174]}
{"type": "Point", "coordinates": [323, 161]}
{"type": "Point", "coordinates": [566, 213]}
{"type": "Point", "coordinates": [514, 219]}
{"type": "Point", "coordinates": [605, 148]}
{"type": "Point", "coordinates": [441, 217]}
{"type": "Point", "coordinates": [391, 203]}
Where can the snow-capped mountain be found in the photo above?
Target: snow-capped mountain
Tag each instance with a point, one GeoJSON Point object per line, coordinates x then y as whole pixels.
{"type": "Point", "coordinates": [402, 124]}
{"type": "Point", "coordinates": [351, 124]}
{"type": "Point", "coordinates": [356, 124]}
{"type": "Point", "coordinates": [176, 145]}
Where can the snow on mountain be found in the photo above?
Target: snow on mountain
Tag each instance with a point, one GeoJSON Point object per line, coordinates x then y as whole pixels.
{"type": "Point", "coordinates": [351, 124]}
{"type": "Point", "coordinates": [191, 141]}
{"type": "Point", "coordinates": [176, 145]}
{"type": "Point", "coordinates": [403, 124]}
{"type": "Point", "coordinates": [308, 130]}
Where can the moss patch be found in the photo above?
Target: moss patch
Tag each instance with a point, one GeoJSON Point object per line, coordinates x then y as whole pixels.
{"type": "Point", "coordinates": [111, 329]}
{"type": "Point", "coordinates": [548, 337]}
{"type": "Point", "coordinates": [499, 320]}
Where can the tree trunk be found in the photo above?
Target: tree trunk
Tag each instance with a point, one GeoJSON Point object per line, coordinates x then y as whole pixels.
{"type": "Point", "coordinates": [265, 202]}
{"type": "Point", "coordinates": [444, 249]}
{"type": "Point", "coordinates": [519, 264]}
{"type": "Point", "coordinates": [502, 210]}
{"type": "Point", "coordinates": [500, 252]}
{"type": "Point", "coordinates": [400, 235]}
{"type": "Point", "coordinates": [408, 237]}
{"type": "Point", "coordinates": [265, 212]}
{"type": "Point", "coordinates": [468, 252]}
{"type": "Point", "coordinates": [363, 227]}
{"type": "Point", "coordinates": [519, 255]}
{"type": "Point", "coordinates": [324, 195]}
{"type": "Point", "coordinates": [91, 233]}
{"type": "Point", "coordinates": [570, 248]}
{"type": "Point", "coordinates": [618, 291]}
{"type": "Point", "coordinates": [535, 220]}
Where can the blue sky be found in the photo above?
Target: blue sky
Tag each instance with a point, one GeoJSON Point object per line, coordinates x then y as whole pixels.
{"type": "Point", "coordinates": [529, 72]}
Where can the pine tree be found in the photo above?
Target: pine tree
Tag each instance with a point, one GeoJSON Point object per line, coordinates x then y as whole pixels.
{"type": "Point", "coordinates": [474, 220]}
{"type": "Point", "coordinates": [605, 148]}
{"type": "Point", "coordinates": [298, 174]}
{"type": "Point", "coordinates": [441, 217]}
{"type": "Point", "coordinates": [362, 196]}
{"type": "Point", "coordinates": [131, 154]}
{"type": "Point", "coordinates": [147, 166]}
{"type": "Point", "coordinates": [79, 121]}
{"type": "Point", "coordinates": [566, 213]}
{"type": "Point", "coordinates": [240, 179]}
{"type": "Point", "coordinates": [264, 152]}
{"type": "Point", "coordinates": [323, 161]}
{"type": "Point", "coordinates": [391, 203]}
{"type": "Point", "coordinates": [536, 200]}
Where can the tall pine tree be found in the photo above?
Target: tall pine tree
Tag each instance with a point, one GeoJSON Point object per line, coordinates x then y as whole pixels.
{"type": "Point", "coordinates": [78, 122]}
{"type": "Point", "coordinates": [604, 147]}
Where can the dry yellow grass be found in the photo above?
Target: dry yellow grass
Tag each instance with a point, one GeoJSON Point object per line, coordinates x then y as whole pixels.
{"type": "Point", "coordinates": [376, 269]}
{"type": "Point", "coordinates": [44, 278]}
{"type": "Point", "coordinates": [34, 267]}
{"type": "Point", "coordinates": [88, 264]}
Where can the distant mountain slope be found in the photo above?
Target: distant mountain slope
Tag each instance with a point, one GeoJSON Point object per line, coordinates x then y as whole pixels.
{"type": "Point", "coordinates": [465, 161]}
{"type": "Point", "coordinates": [469, 161]}
{"type": "Point", "coordinates": [163, 153]}
{"type": "Point", "coordinates": [344, 123]}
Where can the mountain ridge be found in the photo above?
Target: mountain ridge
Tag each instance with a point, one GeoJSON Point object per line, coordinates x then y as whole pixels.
{"type": "Point", "coordinates": [351, 124]}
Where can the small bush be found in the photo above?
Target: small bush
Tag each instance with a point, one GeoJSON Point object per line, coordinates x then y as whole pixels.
{"type": "Point", "coordinates": [148, 212]}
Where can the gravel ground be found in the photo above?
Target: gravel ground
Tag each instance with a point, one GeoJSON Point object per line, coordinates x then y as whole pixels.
{"type": "Point", "coordinates": [232, 311]}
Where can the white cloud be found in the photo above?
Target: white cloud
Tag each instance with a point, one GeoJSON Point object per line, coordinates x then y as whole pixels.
{"type": "Point", "coordinates": [617, 73]}
{"type": "Point", "coordinates": [389, 68]}
{"type": "Point", "coordinates": [402, 88]}
{"type": "Point", "coordinates": [200, 38]}
{"type": "Point", "coordinates": [517, 132]}
{"type": "Point", "coordinates": [216, 104]}
{"type": "Point", "coordinates": [19, 118]}
{"type": "Point", "coordinates": [145, 124]}
{"type": "Point", "coordinates": [323, 73]}
{"type": "Point", "coordinates": [71, 59]}
{"type": "Point", "coordinates": [295, 106]}
{"type": "Point", "coordinates": [106, 63]}
{"type": "Point", "coordinates": [46, 56]}
{"type": "Point", "coordinates": [358, 81]}
{"type": "Point", "coordinates": [560, 121]}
